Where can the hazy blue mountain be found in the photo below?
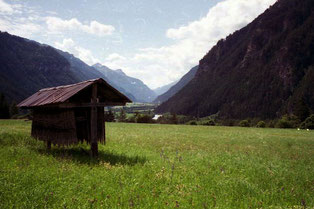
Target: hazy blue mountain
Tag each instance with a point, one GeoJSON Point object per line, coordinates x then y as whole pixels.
{"type": "Point", "coordinates": [165, 88]}
{"type": "Point", "coordinates": [136, 87]}
{"type": "Point", "coordinates": [177, 87]}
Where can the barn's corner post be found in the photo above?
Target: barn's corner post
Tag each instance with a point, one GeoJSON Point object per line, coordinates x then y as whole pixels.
{"type": "Point", "coordinates": [104, 137]}
{"type": "Point", "coordinates": [93, 122]}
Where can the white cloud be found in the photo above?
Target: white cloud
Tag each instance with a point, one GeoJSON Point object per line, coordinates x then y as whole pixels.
{"type": "Point", "coordinates": [99, 29]}
{"type": "Point", "coordinates": [222, 19]}
{"type": "Point", "coordinates": [57, 25]}
{"type": "Point", "coordinates": [158, 66]}
{"type": "Point", "coordinates": [25, 29]}
{"type": "Point", "coordinates": [25, 21]}
{"type": "Point", "coordinates": [84, 54]}
{"type": "Point", "coordinates": [6, 8]}
{"type": "Point", "coordinates": [20, 26]}
{"type": "Point", "coordinates": [19, 20]}
{"type": "Point", "coordinates": [115, 57]}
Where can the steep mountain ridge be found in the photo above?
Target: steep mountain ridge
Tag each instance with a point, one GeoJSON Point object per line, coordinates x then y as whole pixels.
{"type": "Point", "coordinates": [86, 72]}
{"type": "Point", "coordinates": [27, 66]}
{"type": "Point", "coordinates": [257, 72]}
{"type": "Point", "coordinates": [136, 87]}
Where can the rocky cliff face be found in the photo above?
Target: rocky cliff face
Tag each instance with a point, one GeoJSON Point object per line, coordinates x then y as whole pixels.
{"type": "Point", "coordinates": [259, 71]}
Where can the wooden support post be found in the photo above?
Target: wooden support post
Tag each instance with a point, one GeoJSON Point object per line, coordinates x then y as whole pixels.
{"type": "Point", "coordinates": [101, 125]}
{"type": "Point", "coordinates": [104, 132]}
{"type": "Point", "coordinates": [94, 148]}
{"type": "Point", "coordinates": [48, 145]}
{"type": "Point", "coordinates": [93, 123]}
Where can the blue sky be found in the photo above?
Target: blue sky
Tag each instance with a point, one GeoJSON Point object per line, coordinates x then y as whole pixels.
{"type": "Point", "coordinates": [156, 41]}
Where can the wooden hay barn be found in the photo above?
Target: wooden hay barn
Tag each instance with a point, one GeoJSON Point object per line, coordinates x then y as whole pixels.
{"type": "Point", "coordinates": [66, 115]}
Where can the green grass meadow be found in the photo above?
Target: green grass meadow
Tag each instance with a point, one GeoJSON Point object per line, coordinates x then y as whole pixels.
{"type": "Point", "coordinates": [160, 166]}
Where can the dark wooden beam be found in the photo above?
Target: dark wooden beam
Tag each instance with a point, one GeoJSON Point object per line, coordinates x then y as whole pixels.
{"type": "Point", "coordinates": [93, 122]}
{"type": "Point", "coordinates": [73, 105]}
{"type": "Point", "coordinates": [104, 132]}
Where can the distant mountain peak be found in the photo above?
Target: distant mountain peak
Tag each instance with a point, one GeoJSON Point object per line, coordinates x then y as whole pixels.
{"type": "Point", "coordinates": [97, 65]}
{"type": "Point", "coordinates": [120, 71]}
{"type": "Point", "coordinates": [135, 86]}
{"type": "Point", "coordinates": [100, 66]}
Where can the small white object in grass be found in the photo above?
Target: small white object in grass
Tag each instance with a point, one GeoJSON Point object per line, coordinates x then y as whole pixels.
{"type": "Point", "coordinates": [156, 117]}
{"type": "Point", "coordinates": [298, 129]}
{"type": "Point", "coordinates": [308, 129]}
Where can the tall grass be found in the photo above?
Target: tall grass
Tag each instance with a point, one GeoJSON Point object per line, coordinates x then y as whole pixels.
{"type": "Point", "coordinates": [160, 166]}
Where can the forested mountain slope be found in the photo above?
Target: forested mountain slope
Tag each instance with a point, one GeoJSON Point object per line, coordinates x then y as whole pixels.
{"type": "Point", "coordinates": [261, 71]}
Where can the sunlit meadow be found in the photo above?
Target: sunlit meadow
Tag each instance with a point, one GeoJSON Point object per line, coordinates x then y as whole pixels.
{"type": "Point", "coordinates": [160, 166]}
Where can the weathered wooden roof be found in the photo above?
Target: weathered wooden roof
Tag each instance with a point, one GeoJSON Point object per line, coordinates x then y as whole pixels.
{"type": "Point", "coordinates": [60, 94]}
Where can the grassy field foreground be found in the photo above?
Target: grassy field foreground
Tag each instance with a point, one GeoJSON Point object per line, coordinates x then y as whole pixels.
{"type": "Point", "coordinates": [160, 166]}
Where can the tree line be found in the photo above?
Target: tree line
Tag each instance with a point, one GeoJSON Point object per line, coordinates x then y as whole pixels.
{"type": "Point", "coordinates": [7, 110]}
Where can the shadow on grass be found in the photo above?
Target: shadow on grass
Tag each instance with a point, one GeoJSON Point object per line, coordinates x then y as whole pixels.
{"type": "Point", "coordinates": [82, 156]}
